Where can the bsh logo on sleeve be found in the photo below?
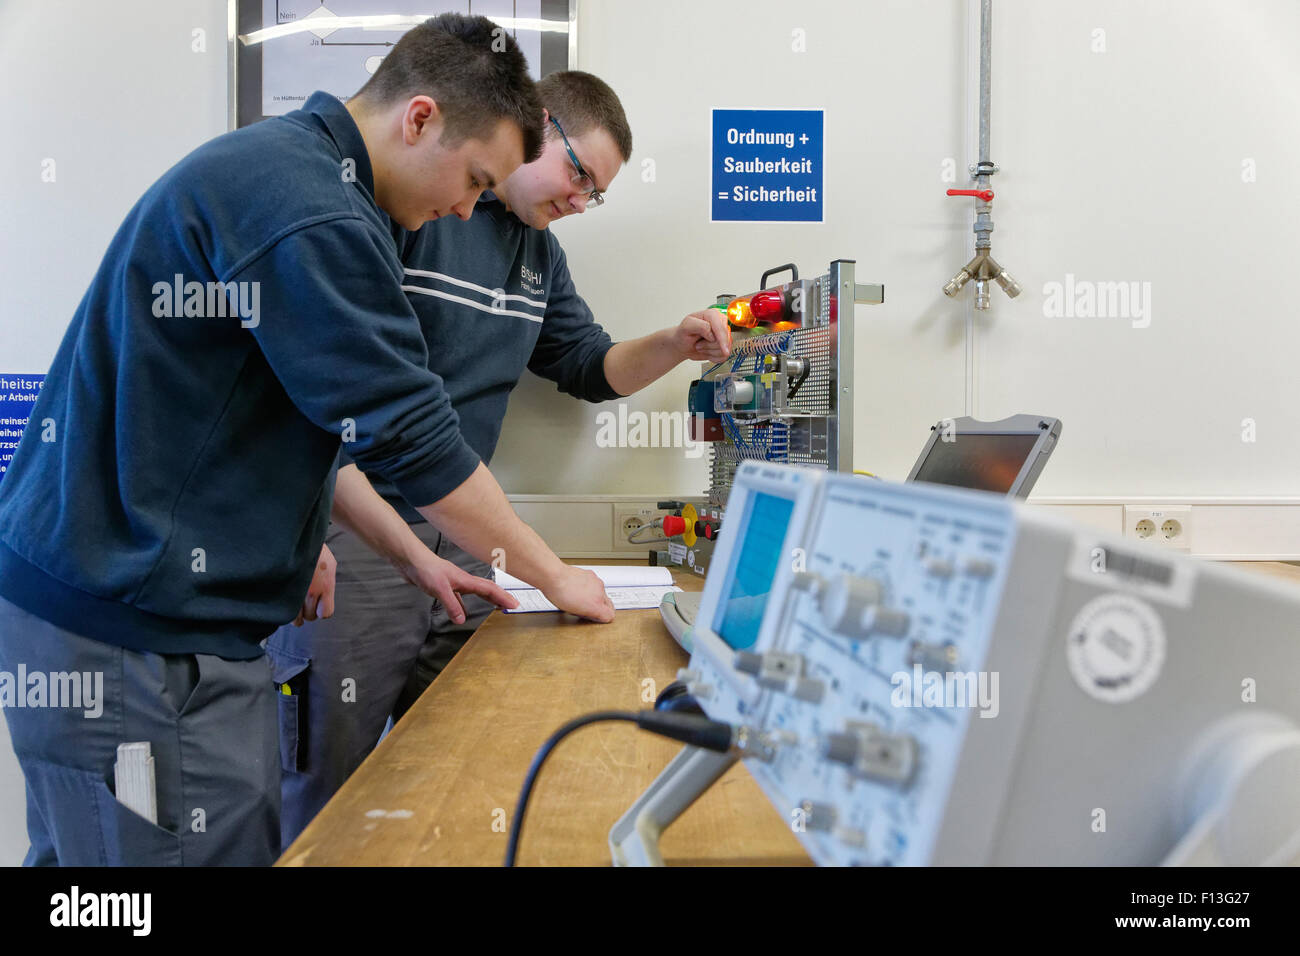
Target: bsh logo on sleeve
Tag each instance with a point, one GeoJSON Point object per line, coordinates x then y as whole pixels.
{"type": "Point", "coordinates": [102, 909]}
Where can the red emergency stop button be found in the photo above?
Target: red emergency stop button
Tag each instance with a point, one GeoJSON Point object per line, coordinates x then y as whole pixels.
{"type": "Point", "coordinates": [674, 525]}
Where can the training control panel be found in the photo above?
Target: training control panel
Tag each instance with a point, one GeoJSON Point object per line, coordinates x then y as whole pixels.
{"type": "Point", "coordinates": [784, 395]}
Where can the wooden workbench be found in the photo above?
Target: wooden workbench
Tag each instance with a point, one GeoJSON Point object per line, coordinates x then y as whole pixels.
{"type": "Point", "coordinates": [441, 788]}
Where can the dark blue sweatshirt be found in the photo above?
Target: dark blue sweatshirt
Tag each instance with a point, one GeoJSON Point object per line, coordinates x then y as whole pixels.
{"type": "Point", "coordinates": [172, 490]}
{"type": "Point", "coordinates": [494, 297]}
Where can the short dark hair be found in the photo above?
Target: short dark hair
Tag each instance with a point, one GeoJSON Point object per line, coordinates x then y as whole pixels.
{"type": "Point", "coordinates": [582, 102]}
{"type": "Point", "coordinates": [472, 68]}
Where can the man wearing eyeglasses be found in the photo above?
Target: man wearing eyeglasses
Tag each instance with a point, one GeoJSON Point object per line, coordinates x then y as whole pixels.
{"type": "Point", "coordinates": [494, 296]}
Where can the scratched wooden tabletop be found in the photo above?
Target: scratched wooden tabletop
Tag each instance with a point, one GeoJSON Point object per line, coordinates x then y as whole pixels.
{"type": "Point", "coordinates": [441, 787]}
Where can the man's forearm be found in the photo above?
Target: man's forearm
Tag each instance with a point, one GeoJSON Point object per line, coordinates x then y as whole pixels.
{"type": "Point", "coordinates": [632, 365]}
{"type": "Point", "coordinates": [478, 517]}
{"type": "Point", "coordinates": [364, 512]}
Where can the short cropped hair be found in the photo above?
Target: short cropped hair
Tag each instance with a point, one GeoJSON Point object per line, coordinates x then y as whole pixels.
{"type": "Point", "coordinates": [582, 102]}
{"type": "Point", "coordinates": [472, 68]}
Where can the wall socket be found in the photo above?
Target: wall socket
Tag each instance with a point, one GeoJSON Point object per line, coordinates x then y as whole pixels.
{"type": "Point", "coordinates": [1168, 527]}
{"type": "Point", "coordinates": [630, 515]}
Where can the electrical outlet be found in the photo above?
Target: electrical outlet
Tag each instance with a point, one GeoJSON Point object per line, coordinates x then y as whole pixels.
{"type": "Point", "coordinates": [1168, 526]}
{"type": "Point", "coordinates": [630, 516]}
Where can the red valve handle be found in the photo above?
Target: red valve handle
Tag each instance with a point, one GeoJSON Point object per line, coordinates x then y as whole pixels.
{"type": "Point", "coordinates": [985, 194]}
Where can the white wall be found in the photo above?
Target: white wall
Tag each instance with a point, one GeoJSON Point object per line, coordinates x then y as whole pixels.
{"type": "Point", "coordinates": [1118, 165]}
{"type": "Point", "coordinates": [1122, 165]}
{"type": "Point", "coordinates": [1128, 165]}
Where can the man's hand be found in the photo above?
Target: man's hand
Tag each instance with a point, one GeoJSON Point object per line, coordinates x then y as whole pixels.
{"type": "Point", "coordinates": [580, 592]}
{"type": "Point", "coordinates": [703, 336]}
{"type": "Point", "coordinates": [441, 579]}
{"type": "Point", "coordinates": [319, 601]}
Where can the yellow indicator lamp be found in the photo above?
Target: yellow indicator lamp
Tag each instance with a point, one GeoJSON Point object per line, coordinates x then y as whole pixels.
{"type": "Point", "coordinates": [740, 314]}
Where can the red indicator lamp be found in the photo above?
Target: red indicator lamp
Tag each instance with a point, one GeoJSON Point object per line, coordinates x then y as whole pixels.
{"type": "Point", "coordinates": [768, 306]}
{"type": "Point", "coordinates": [761, 308]}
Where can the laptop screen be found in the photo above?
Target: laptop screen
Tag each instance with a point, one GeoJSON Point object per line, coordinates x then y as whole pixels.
{"type": "Point", "coordinates": [983, 462]}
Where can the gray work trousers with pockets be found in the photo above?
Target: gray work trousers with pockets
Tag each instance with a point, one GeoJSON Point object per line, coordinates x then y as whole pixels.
{"type": "Point", "coordinates": [347, 674]}
{"type": "Point", "coordinates": [211, 726]}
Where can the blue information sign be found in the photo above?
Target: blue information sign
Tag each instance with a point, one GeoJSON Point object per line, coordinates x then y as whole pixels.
{"type": "Point", "coordinates": [17, 396]}
{"type": "Point", "coordinates": [767, 166]}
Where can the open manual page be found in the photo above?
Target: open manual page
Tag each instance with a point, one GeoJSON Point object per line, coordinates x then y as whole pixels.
{"type": "Point", "coordinates": [628, 587]}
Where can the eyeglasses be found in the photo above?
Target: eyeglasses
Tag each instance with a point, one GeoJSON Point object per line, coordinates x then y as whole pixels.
{"type": "Point", "coordinates": [581, 178]}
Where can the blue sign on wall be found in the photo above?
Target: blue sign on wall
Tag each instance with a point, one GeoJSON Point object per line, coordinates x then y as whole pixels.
{"type": "Point", "coordinates": [767, 165]}
{"type": "Point", "coordinates": [17, 397]}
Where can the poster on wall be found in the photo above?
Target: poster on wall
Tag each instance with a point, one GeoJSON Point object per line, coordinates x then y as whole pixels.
{"type": "Point", "coordinates": [767, 165]}
{"type": "Point", "coordinates": [18, 394]}
{"type": "Point", "coordinates": [285, 50]}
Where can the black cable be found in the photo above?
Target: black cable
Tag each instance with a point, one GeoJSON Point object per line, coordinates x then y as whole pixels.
{"type": "Point", "coordinates": [633, 539]}
{"type": "Point", "coordinates": [799, 381]}
{"type": "Point", "coordinates": [690, 729]}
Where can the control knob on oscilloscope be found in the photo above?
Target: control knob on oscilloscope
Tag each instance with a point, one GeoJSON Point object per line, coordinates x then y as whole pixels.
{"type": "Point", "coordinates": [939, 568]}
{"type": "Point", "coordinates": [816, 816]}
{"type": "Point", "coordinates": [700, 691]}
{"type": "Point", "coordinates": [845, 599]}
{"type": "Point", "coordinates": [851, 606]}
{"type": "Point", "coordinates": [808, 581]}
{"type": "Point", "coordinates": [888, 621]}
{"type": "Point", "coordinates": [780, 671]}
{"type": "Point", "coordinates": [871, 752]}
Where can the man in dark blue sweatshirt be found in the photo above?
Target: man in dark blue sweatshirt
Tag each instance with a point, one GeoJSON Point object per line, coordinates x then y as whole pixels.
{"type": "Point", "coordinates": [164, 512]}
{"type": "Point", "coordinates": [494, 296]}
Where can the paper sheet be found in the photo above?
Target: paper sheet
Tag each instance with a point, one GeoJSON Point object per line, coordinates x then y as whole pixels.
{"type": "Point", "coordinates": [629, 588]}
{"type": "Point", "coordinates": [623, 599]}
{"type": "Point", "coordinates": [614, 576]}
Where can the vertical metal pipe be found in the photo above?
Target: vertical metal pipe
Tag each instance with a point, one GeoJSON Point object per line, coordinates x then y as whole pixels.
{"type": "Point", "coordinates": [986, 49]}
{"type": "Point", "coordinates": [983, 212]}
{"type": "Point", "coordinates": [982, 268]}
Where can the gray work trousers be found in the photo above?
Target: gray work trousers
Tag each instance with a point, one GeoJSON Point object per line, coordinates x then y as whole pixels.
{"type": "Point", "coordinates": [211, 726]}
{"type": "Point", "coordinates": [343, 677]}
